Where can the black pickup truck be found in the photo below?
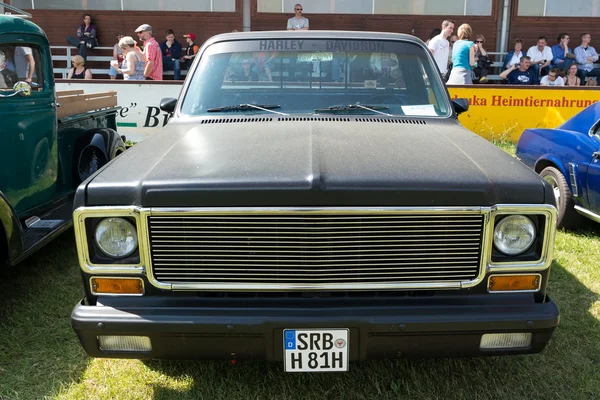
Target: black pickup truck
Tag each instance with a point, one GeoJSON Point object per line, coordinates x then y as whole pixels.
{"type": "Point", "coordinates": [314, 201]}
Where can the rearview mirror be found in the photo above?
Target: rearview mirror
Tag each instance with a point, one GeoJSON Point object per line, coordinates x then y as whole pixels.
{"type": "Point", "coordinates": [168, 104]}
{"type": "Point", "coordinates": [460, 105]}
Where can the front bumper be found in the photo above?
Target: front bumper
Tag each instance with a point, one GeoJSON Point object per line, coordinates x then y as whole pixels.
{"type": "Point", "coordinates": [197, 328]}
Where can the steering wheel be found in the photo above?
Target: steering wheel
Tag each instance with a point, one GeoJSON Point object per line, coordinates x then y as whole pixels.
{"type": "Point", "coordinates": [381, 97]}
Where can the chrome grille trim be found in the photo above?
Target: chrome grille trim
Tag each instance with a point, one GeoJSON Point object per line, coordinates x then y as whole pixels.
{"type": "Point", "coordinates": [145, 267]}
{"type": "Point", "coordinates": [308, 249]}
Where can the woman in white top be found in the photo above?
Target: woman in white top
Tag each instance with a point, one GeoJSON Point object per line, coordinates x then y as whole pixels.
{"type": "Point", "coordinates": [514, 57]}
{"type": "Point", "coordinates": [134, 62]}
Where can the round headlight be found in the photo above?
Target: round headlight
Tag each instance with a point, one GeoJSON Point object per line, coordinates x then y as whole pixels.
{"type": "Point", "coordinates": [514, 234]}
{"type": "Point", "coordinates": [116, 237]}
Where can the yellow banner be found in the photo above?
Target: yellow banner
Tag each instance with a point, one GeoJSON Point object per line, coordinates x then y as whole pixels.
{"type": "Point", "coordinates": [503, 112]}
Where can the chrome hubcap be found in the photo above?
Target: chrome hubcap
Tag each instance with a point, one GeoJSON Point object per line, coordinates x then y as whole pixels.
{"type": "Point", "coordinates": [550, 179]}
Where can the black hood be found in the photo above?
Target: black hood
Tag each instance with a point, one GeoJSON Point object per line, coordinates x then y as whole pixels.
{"type": "Point", "coordinates": [289, 162]}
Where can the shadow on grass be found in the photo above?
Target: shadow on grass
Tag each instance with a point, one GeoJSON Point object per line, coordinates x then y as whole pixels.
{"type": "Point", "coordinates": [568, 368]}
{"type": "Point", "coordinates": [39, 353]}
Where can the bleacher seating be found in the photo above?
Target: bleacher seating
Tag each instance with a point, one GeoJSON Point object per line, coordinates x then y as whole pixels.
{"type": "Point", "coordinates": [98, 61]}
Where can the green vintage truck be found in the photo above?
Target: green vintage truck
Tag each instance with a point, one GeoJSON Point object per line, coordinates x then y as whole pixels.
{"type": "Point", "coordinates": [49, 142]}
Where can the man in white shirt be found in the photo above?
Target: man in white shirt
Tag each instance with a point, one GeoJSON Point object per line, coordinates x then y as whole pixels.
{"type": "Point", "coordinates": [297, 22]}
{"type": "Point", "coordinates": [553, 78]}
{"type": "Point", "coordinates": [24, 63]}
{"type": "Point", "coordinates": [541, 56]}
{"type": "Point", "coordinates": [440, 47]}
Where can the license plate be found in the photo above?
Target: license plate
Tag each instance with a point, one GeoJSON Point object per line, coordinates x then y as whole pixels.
{"type": "Point", "coordinates": [315, 350]}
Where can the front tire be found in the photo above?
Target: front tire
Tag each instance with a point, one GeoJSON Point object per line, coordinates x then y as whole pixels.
{"type": "Point", "coordinates": [567, 218]}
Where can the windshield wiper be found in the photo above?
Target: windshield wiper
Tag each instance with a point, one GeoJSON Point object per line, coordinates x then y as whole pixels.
{"type": "Point", "coordinates": [351, 107]}
{"type": "Point", "coordinates": [245, 107]}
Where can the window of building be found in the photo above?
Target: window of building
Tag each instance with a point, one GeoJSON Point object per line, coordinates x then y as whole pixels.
{"type": "Point", "coordinates": [401, 7]}
{"type": "Point", "coordinates": [147, 5]}
{"type": "Point", "coordinates": [556, 8]}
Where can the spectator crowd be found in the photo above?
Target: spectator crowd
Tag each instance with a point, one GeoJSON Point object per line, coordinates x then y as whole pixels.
{"type": "Point", "coordinates": [461, 58]}
{"type": "Point", "coordinates": [147, 61]}
{"type": "Point", "coordinates": [464, 61]}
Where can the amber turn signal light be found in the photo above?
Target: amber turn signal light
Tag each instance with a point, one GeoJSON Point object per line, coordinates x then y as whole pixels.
{"type": "Point", "coordinates": [117, 286]}
{"type": "Point", "coordinates": [514, 283]}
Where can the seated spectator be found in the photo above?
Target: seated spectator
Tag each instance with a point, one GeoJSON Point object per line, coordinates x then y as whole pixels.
{"type": "Point", "coordinates": [572, 78]}
{"type": "Point", "coordinates": [592, 81]}
{"type": "Point", "coordinates": [514, 57]}
{"type": "Point", "coordinates": [553, 78]}
{"type": "Point", "coordinates": [481, 69]}
{"type": "Point", "coordinates": [247, 74]}
{"type": "Point", "coordinates": [79, 71]}
{"type": "Point", "coordinates": [7, 76]}
{"type": "Point", "coordinates": [562, 55]}
{"type": "Point", "coordinates": [586, 56]}
{"type": "Point", "coordinates": [541, 56]}
{"type": "Point", "coordinates": [171, 54]}
{"type": "Point", "coordinates": [521, 74]}
{"type": "Point", "coordinates": [191, 50]}
{"type": "Point", "coordinates": [86, 37]}
{"type": "Point", "coordinates": [117, 56]}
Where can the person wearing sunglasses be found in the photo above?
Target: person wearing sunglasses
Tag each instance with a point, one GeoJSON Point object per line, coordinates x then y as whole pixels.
{"type": "Point", "coordinates": [247, 75]}
{"type": "Point", "coordinates": [297, 22]}
{"type": "Point", "coordinates": [481, 70]}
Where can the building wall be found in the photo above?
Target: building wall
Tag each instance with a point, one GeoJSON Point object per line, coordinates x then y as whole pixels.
{"type": "Point", "coordinates": [530, 28]}
{"type": "Point", "coordinates": [418, 25]}
{"type": "Point", "coordinates": [58, 24]}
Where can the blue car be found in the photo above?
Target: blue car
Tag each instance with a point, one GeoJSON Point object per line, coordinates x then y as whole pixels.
{"type": "Point", "coordinates": [568, 157]}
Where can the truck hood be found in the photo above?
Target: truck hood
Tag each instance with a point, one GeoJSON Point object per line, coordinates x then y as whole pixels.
{"type": "Point", "coordinates": [245, 162]}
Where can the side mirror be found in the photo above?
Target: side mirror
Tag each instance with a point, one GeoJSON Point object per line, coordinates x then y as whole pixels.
{"type": "Point", "coordinates": [460, 105]}
{"type": "Point", "coordinates": [22, 89]}
{"type": "Point", "coordinates": [168, 104]}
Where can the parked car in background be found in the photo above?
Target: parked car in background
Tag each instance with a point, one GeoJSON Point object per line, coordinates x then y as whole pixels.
{"type": "Point", "coordinates": [568, 158]}
{"type": "Point", "coordinates": [49, 141]}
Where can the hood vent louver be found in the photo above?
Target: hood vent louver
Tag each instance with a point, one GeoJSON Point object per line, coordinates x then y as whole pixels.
{"type": "Point", "coordinates": [346, 119]}
{"type": "Point", "coordinates": [235, 120]}
{"type": "Point", "coordinates": [315, 119]}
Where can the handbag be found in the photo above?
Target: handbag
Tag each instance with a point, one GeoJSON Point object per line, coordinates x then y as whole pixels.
{"type": "Point", "coordinates": [484, 62]}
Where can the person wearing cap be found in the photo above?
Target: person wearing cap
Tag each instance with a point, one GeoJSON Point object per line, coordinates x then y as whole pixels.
{"type": "Point", "coordinates": [191, 50]}
{"type": "Point", "coordinates": [171, 54]}
{"type": "Point", "coordinates": [154, 65]}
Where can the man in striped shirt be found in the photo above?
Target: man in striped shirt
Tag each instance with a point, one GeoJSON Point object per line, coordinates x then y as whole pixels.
{"type": "Point", "coordinates": [154, 66]}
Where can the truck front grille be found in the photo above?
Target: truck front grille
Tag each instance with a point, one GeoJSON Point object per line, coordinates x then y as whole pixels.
{"type": "Point", "coordinates": [305, 248]}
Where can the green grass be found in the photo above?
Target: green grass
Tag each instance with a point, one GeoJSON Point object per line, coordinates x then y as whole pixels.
{"type": "Point", "coordinates": [41, 357]}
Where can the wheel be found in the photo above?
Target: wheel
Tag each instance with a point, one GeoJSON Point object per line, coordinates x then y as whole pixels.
{"type": "Point", "coordinates": [568, 218]}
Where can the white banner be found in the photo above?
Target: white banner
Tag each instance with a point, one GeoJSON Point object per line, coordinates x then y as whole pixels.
{"type": "Point", "coordinates": [140, 115]}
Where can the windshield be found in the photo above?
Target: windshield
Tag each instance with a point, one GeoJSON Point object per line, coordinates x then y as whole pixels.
{"type": "Point", "coordinates": [316, 77]}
